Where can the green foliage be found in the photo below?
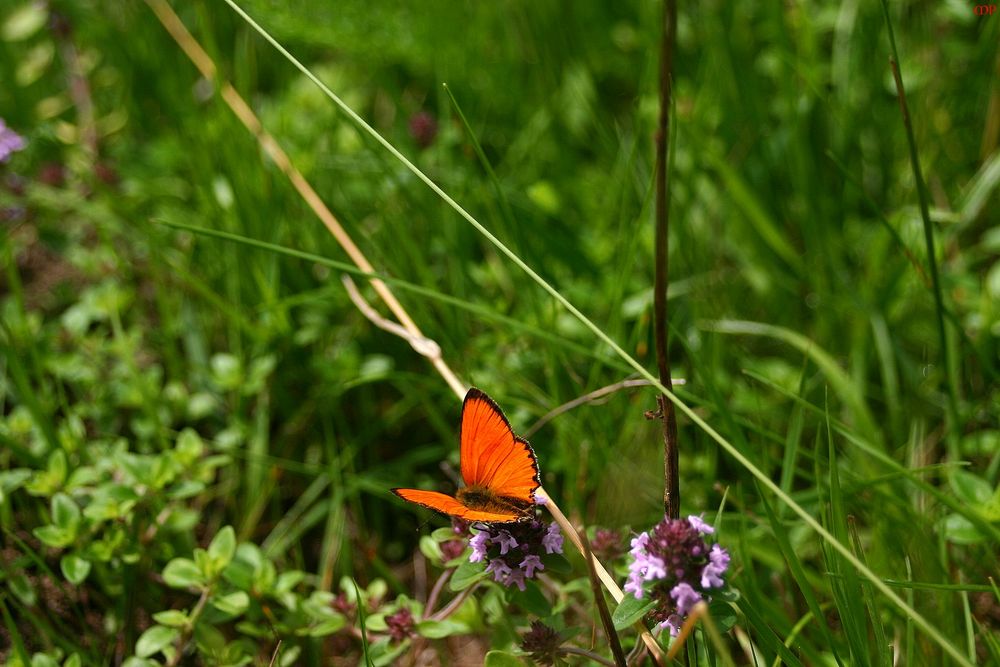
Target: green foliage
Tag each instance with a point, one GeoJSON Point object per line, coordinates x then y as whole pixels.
{"type": "Point", "coordinates": [197, 435]}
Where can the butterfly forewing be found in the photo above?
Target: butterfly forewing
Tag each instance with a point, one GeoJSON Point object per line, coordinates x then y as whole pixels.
{"type": "Point", "coordinates": [491, 455]}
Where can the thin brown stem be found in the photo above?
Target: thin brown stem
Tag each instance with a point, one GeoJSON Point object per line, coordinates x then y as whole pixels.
{"type": "Point", "coordinates": [186, 634]}
{"type": "Point", "coordinates": [589, 655]}
{"type": "Point", "coordinates": [602, 605]}
{"type": "Point", "coordinates": [436, 592]}
{"type": "Point", "coordinates": [671, 486]}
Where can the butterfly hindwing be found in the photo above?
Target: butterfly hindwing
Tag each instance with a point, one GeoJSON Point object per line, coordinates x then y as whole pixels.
{"type": "Point", "coordinates": [441, 502]}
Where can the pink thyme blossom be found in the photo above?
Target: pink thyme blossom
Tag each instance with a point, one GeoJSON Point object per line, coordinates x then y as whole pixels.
{"type": "Point", "coordinates": [718, 563]}
{"type": "Point", "coordinates": [506, 542]}
{"type": "Point", "coordinates": [674, 565]}
{"type": "Point", "coordinates": [553, 540]}
{"type": "Point", "coordinates": [478, 542]}
{"type": "Point", "coordinates": [530, 564]}
{"type": "Point", "coordinates": [10, 141]}
{"type": "Point", "coordinates": [700, 525]}
{"type": "Point", "coordinates": [513, 553]}
{"type": "Point", "coordinates": [501, 571]}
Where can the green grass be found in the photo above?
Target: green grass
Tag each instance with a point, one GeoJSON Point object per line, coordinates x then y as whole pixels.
{"type": "Point", "coordinates": [192, 307]}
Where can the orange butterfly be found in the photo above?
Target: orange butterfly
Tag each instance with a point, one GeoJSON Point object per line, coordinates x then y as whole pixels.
{"type": "Point", "coordinates": [499, 469]}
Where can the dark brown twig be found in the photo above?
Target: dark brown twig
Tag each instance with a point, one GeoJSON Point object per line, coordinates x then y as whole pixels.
{"type": "Point", "coordinates": [602, 605]}
{"type": "Point", "coordinates": [671, 484]}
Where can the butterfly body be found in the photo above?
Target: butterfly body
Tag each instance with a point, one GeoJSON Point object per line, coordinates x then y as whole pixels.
{"type": "Point", "coordinates": [499, 469]}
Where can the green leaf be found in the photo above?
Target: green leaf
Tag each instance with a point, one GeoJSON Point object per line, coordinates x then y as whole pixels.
{"type": "Point", "coordinates": [430, 548]}
{"type": "Point", "coordinates": [43, 660]}
{"type": "Point", "coordinates": [234, 603]}
{"type": "Point", "coordinates": [723, 615]}
{"type": "Point", "coordinates": [327, 626]}
{"type": "Point", "coordinates": [970, 489]}
{"type": "Point", "coordinates": [288, 580]}
{"type": "Point", "coordinates": [189, 447]}
{"type": "Point", "coordinates": [960, 530]}
{"type": "Point", "coordinates": [25, 21]}
{"type": "Point", "coordinates": [183, 573]}
{"type": "Point", "coordinates": [22, 589]}
{"type": "Point", "coordinates": [532, 600]}
{"type": "Point", "coordinates": [73, 661]}
{"type": "Point", "coordinates": [556, 563]}
{"type": "Point", "coordinates": [54, 537]}
{"type": "Point", "coordinates": [466, 575]}
{"type": "Point", "coordinates": [65, 513]}
{"type": "Point", "coordinates": [630, 611]}
{"type": "Point", "coordinates": [439, 629]}
{"type": "Point", "coordinates": [155, 640]}
{"type": "Point", "coordinates": [175, 618]}
{"type": "Point", "coordinates": [222, 548]}
{"type": "Point", "coordinates": [74, 568]}
{"type": "Point", "coordinates": [502, 659]}
{"type": "Point", "coordinates": [133, 661]}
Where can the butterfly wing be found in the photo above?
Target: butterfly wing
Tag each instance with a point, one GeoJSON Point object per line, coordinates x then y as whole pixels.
{"type": "Point", "coordinates": [440, 502]}
{"type": "Point", "coordinates": [491, 455]}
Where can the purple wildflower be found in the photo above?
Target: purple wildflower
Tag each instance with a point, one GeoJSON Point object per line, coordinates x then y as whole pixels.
{"type": "Point", "coordinates": [501, 571]}
{"type": "Point", "coordinates": [553, 540]}
{"type": "Point", "coordinates": [542, 643]}
{"type": "Point", "coordinates": [607, 544]}
{"type": "Point", "coordinates": [530, 564]}
{"type": "Point", "coordinates": [423, 128]}
{"type": "Point", "coordinates": [686, 597]}
{"type": "Point", "coordinates": [513, 553]}
{"type": "Point", "coordinates": [675, 566]}
{"type": "Point", "coordinates": [718, 563]}
{"type": "Point", "coordinates": [700, 525]}
{"type": "Point", "coordinates": [401, 625]}
{"type": "Point", "coordinates": [10, 141]}
{"type": "Point", "coordinates": [515, 578]}
{"type": "Point", "coordinates": [506, 542]}
{"type": "Point", "coordinates": [478, 542]}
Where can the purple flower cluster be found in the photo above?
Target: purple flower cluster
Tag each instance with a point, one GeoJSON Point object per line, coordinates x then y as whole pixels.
{"type": "Point", "coordinates": [678, 566]}
{"type": "Point", "coordinates": [513, 552]}
{"type": "Point", "coordinates": [10, 141]}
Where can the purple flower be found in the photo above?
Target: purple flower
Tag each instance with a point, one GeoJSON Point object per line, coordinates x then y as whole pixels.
{"type": "Point", "coordinates": [673, 565]}
{"type": "Point", "coordinates": [478, 543]}
{"type": "Point", "coordinates": [513, 554]}
{"type": "Point", "coordinates": [700, 525]}
{"type": "Point", "coordinates": [686, 597]}
{"type": "Point", "coordinates": [506, 541]}
{"type": "Point", "coordinates": [515, 578]}
{"type": "Point", "coordinates": [401, 625]}
{"type": "Point", "coordinates": [423, 128]}
{"type": "Point", "coordinates": [644, 566]}
{"type": "Point", "coordinates": [718, 563]}
{"type": "Point", "coordinates": [673, 622]}
{"type": "Point", "coordinates": [530, 564]}
{"type": "Point", "coordinates": [501, 571]}
{"type": "Point", "coordinates": [10, 141]}
{"type": "Point", "coordinates": [553, 540]}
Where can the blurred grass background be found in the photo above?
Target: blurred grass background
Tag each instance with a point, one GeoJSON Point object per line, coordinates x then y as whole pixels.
{"type": "Point", "coordinates": [791, 299]}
